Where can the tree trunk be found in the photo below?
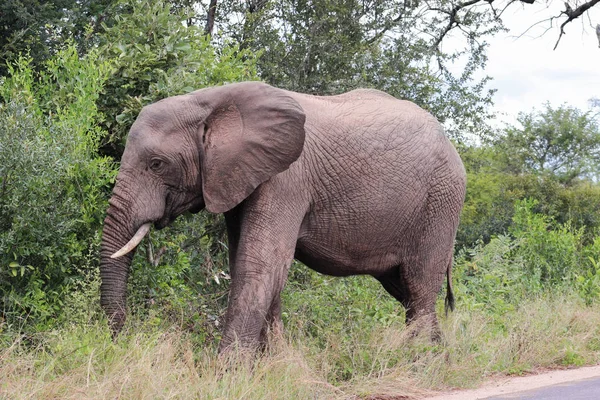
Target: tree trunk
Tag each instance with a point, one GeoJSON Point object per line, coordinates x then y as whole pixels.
{"type": "Point", "coordinates": [254, 8]}
{"type": "Point", "coordinates": [210, 19]}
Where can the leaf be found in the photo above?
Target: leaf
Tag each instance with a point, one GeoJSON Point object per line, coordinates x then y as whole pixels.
{"type": "Point", "coordinates": [122, 118]}
{"type": "Point", "coordinates": [183, 47]}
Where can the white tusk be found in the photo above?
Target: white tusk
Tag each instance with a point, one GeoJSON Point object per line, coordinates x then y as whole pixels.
{"type": "Point", "coordinates": [135, 240]}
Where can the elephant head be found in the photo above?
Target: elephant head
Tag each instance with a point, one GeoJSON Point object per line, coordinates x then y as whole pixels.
{"type": "Point", "coordinates": [207, 149]}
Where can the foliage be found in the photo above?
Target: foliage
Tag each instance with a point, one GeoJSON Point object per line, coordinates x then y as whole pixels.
{"type": "Point", "coordinates": [329, 47]}
{"type": "Point", "coordinates": [53, 185]}
{"type": "Point", "coordinates": [492, 192]}
{"type": "Point", "coordinates": [39, 28]}
{"type": "Point", "coordinates": [155, 55]}
{"type": "Point", "coordinates": [358, 302]}
{"type": "Point", "coordinates": [563, 143]}
{"type": "Point", "coordinates": [587, 282]}
{"type": "Point", "coordinates": [552, 252]}
{"type": "Point", "coordinates": [538, 256]}
{"type": "Point", "coordinates": [320, 47]}
{"type": "Point", "coordinates": [180, 275]}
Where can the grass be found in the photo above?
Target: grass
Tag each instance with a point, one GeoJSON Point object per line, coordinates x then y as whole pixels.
{"type": "Point", "coordinates": [81, 362]}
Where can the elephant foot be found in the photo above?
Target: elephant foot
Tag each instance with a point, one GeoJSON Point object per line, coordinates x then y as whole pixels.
{"type": "Point", "coordinates": [271, 334]}
{"type": "Point", "coordinates": [425, 325]}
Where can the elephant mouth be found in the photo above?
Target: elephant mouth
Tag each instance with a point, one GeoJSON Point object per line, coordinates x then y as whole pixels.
{"type": "Point", "coordinates": [164, 222]}
{"type": "Point", "coordinates": [194, 206]}
{"type": "Point", "coordinates": [197, 207]}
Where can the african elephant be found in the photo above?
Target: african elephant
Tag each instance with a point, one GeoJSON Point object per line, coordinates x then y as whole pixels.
{"type": "Point", "coordinates": [358, 183]}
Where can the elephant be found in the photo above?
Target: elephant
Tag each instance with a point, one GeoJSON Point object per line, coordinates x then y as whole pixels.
{"type": "Point", "coordinates": [359, 183]}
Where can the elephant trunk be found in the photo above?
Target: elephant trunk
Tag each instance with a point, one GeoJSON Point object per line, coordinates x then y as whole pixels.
{"type": "Point", "coordinates": [114, 271]}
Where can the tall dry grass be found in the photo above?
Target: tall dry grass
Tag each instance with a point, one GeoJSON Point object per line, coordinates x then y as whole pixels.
{"type": "Point", "coordinates": [383, 362]}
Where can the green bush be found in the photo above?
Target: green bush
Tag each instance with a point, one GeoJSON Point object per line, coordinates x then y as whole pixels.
{"type": "Point", "coordinates": [53, 185]}
{"type": "Point", "coordinates": [491, 277]}
{"type": "Point", "coordinates": [540, 255]}
{"type": "Point", "coordinates": [316, 302]}
{"type": "Point", "coordinates": [338, 315]}
{"type": "Point", "coordinates": [550, 250]}
{"type": "Point", "coordinates": [580, 204]}
{"type": "Point", "coordinates": [180, 276]}
{"type": "Point", "coordinates": [493, 188]}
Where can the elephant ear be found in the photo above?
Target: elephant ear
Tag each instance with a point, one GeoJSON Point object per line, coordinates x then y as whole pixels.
{"type": "Point", "coordinates": [252, 132]}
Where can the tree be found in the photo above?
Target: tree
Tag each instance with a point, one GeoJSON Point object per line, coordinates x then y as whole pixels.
{"type": "Point", "coordinates": [562, 142]}
{"type": "Point", "coordinates": [155, 55]}
{"type": "Point", "coordinates": [329, 47]}
{"type": "Point", "coordinates": [41, 27]}
{"type": "Point", "coordinates": [453, 15]}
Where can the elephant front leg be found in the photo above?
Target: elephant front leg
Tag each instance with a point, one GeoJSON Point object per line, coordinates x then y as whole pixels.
{"type": "Point", "coordinates": [254, 304]}
{"type": "Point", "coordinates": [262, 260]}
{"type": "Point", "coordinates": [274, 323]}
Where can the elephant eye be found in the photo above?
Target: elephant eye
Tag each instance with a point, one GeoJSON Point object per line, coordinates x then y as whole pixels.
{"type": "Point", "coordinates": [156, 164]}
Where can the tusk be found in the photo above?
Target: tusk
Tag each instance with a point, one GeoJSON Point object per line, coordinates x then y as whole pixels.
{"type": "Point", "coordinates": [135, 240]}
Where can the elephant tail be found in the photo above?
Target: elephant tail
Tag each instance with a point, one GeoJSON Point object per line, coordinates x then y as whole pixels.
{"type": "Point", "coordinates": [449, 303]}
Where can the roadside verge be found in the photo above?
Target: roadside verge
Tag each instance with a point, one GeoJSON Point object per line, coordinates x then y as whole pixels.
{"type": "Point", "coordinates": [504, 386]}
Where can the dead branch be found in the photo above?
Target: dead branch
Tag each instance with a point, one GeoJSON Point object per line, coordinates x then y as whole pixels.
{"type": "Point", "coordinates": [573, 14]}
{"type": "Point", "coordinates": [454, 21]}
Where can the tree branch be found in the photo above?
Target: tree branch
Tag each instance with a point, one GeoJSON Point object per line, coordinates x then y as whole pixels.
{"type": "Point", "coordinates": [453, 22]}
{"type": "Point", "coordinates": [385, 28]}
{"type": "Point", "coordinates": [254, 7]}
{"type": "Point", "coordinates": [573, 14]}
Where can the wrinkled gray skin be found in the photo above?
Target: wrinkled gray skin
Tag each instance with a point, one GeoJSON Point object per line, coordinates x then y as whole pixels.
{"type": "Point", "coordinates": [360, 183]}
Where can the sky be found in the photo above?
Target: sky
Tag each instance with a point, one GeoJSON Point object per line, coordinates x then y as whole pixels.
{"type": "Point", "coordinates": [527, 71]}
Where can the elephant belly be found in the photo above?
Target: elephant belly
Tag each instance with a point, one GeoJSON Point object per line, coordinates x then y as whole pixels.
{"type": "Point", "coordinates": [326, 258]}
{"type": "Point", "coordinates": [353, 237]}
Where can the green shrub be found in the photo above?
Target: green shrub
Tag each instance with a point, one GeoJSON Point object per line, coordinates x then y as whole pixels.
{"type": "Point", "coordinates": [549, 250]}
{"type": "Point", "coordinates": [53, 186]}
{"type": "Point", "coordinates": [180, 276]}
{"type": "Point", "coordinates": [587, 280]}
{"type": "Point", "coordinates": [314, 303]}
{"type": "Point", "coordinates": [539, 256]}
{"type": "Point", "coordinates": [580, 204]}
{"type": "Point", "coordinates": [491, 277]}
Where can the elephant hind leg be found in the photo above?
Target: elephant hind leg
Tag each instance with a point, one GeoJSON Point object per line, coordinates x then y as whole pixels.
{"type": "Point", "coordinates": [428, 259]}
{"type": "Point", "coordinates": [393, 284]}
{"type": "Point", "coordinates": [417, 299]}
